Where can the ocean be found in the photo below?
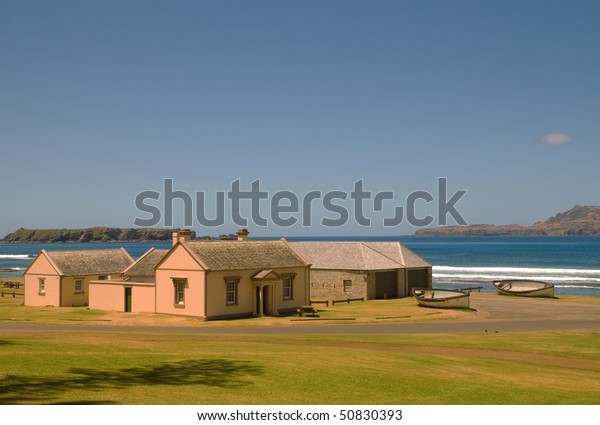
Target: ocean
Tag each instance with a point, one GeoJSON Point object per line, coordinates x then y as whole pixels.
{"type": "Point", "coordinates": [572, 263]}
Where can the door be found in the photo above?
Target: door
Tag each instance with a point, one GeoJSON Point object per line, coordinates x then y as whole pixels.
{"type": "Point", "coordinates": [128, 300]}
{"type": "Point", "coordinates": [385, 285]}
{"type": "Point", "coordinates": [417, 278]}
{"type": "Point", "coordinates": [257, 297]}
{"type": "Point", "coordinates": [267, 302]}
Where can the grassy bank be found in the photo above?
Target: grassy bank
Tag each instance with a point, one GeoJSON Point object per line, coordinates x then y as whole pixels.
{"type": "Point", "coordinates": [178, 368]}
{"type": "Point", "coordinates": [166, 368]}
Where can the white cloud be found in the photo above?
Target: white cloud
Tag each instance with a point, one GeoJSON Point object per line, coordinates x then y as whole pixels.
{"type": "Point", "coordinates": [553, 139]}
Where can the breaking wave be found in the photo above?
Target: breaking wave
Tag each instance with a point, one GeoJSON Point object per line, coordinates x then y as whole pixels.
{"type": "Point", "coordinates": [25, 257]}
{"type": "Point", "coordinates": [573, 278]}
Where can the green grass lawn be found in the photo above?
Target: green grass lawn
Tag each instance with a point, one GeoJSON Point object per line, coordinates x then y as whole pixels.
{"type": "Point", "coordinates": [171, 368]}
{"type": "Point", "coordinates": [180, 368]}
{"type": "Point", "coordinates": [405, 309]}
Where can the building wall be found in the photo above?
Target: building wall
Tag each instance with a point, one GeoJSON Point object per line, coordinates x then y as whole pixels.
{"type": "Point", "coordinates": [107, 295]}
{"type": "Point", "coordinates": [401, 283]}
{"type": "Point", "coordinates": [371, 285]}
{"type": "Point", "coordinates": [301, 287]}
{"type": "Point", "coordinates": [329, 284]}
{"type": "Point", "coordinates": [216, 294]}
{"type": "Point", "coordinates": [41, 268]}
{"type": "Point", "coordinates": [193, 293]}
{"type": "Point", "coordinates": [179, 259]}
{"type": "Point", "coordinates": [143, 298]}
{"type": "Point", "coordinates": [180, 265]}
{"type": "Point", "coordinates": [72, 298]}
{"type": "Point", "coordinates": [217, 306]}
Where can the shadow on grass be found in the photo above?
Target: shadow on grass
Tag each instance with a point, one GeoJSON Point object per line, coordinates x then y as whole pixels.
{"type": "Point", "coordinates": [209, 372]}
{"type": "Point", "coordinates": [442, 309]}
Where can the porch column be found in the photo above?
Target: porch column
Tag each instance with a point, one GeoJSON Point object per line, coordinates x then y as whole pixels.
{"type": "Point", "coordinates": [275, 312]}
{"type": "Point", "coordinates": [254, 310]}
{"type": "Point", "coordinates": [260, 301]}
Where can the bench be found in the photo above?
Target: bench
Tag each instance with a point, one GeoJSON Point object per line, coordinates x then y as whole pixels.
{"type": "Point", "coordinates": [306, 309]}
{"type": "Point", "coordinates": [471, 289]}
{"type": "Point", "coordinates": [347, 300]}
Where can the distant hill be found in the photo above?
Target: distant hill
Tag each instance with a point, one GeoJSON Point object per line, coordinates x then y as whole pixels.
{"type": "Point", "coordinates": [579, 220]}
{"type": "Point", "coordinates": [92, 234]}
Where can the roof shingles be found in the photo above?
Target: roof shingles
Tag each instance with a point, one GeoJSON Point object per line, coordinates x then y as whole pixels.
{"type": "Point", "coordinates": [90, 262]}
{"type": "Point", "coordinates": [144, 266]}
{"type": "Point", "coordinates": [244, 255]}
{"type": "Point", "coordinates": [359, 255]}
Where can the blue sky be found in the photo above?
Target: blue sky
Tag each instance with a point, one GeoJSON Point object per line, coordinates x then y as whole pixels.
{"type": "Point", "coordinates": [101, 100]}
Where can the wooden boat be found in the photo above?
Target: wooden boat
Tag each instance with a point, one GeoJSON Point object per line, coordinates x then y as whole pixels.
{"type": "Point", "coordinates": [441, 298]}
{"type": "Point", "coordinates": [525, 288]}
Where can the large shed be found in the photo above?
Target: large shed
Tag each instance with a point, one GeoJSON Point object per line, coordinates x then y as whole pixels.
{"type": "Point", "coordinates": [370, 270]}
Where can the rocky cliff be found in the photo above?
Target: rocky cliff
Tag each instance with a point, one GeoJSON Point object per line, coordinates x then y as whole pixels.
{"type": "Point", "coordinates": [579, 220]}
{"type": "Point", "coordinates": [93, 234]}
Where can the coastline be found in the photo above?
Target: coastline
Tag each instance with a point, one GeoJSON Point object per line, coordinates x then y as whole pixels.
{"type": "Point", "coordinates": [3, 242]}
{"type": "Point", "coordinates": [572, 263]}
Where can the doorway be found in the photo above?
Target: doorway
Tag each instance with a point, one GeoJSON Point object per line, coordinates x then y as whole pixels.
{"type": "Point", "coordinates": [127, 300]}
{"type": "Point", "coordinates": [264, 301]}
{"type": "Point", "coordinates": [385, 285]}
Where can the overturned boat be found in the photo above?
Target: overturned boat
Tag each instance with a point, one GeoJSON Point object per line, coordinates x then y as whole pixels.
{"type": "Point", "coordinates": [441, 298]}
{"type": "Point", "coordinates": [525, 288]}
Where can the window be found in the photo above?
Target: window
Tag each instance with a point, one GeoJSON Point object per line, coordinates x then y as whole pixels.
{"type": "Point", "coordinates": [102, 277]}
{"type": "Point", "coordinates": [231, 292]}
{"type": "Point", "coordinates": [347, 286]}
{"type": "Point", "coordinates": [41, 285]}
{"type": "Point", "coordinates": [179, 285]}
{"type": "Point", "coordinates": [78, 285]}
{"type": "Point", "coordinates": [288, 288]}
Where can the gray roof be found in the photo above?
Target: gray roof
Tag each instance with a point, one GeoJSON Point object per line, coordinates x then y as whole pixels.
{"type": "Point", "coordinates": [359, 255]}
{"type": "Point", "coordinates": [244, 255]}
{"type": "Point", "coordinates": [144, 266]}
{"type": "Point", "coordinates": [90, 262]}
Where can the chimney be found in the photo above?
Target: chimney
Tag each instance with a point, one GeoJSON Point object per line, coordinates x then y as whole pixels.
{"type": "Point", "coordinates": [182, 235]}
{"type": "Point", "coordinates": [242, 234]}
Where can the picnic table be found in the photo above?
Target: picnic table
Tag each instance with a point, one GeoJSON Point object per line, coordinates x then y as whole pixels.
{"type": "Point", "coordinates": [306, 309]}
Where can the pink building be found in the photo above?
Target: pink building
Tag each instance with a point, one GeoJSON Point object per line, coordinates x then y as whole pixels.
{"type": "Point", "coordinates": [228, 279]}
{"type": "Point", "coordinates": [61, 278]}
{"type": "Point", "coordinates": [134, 291]}
{"type": "Point", "coordinates": [210, 280]}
